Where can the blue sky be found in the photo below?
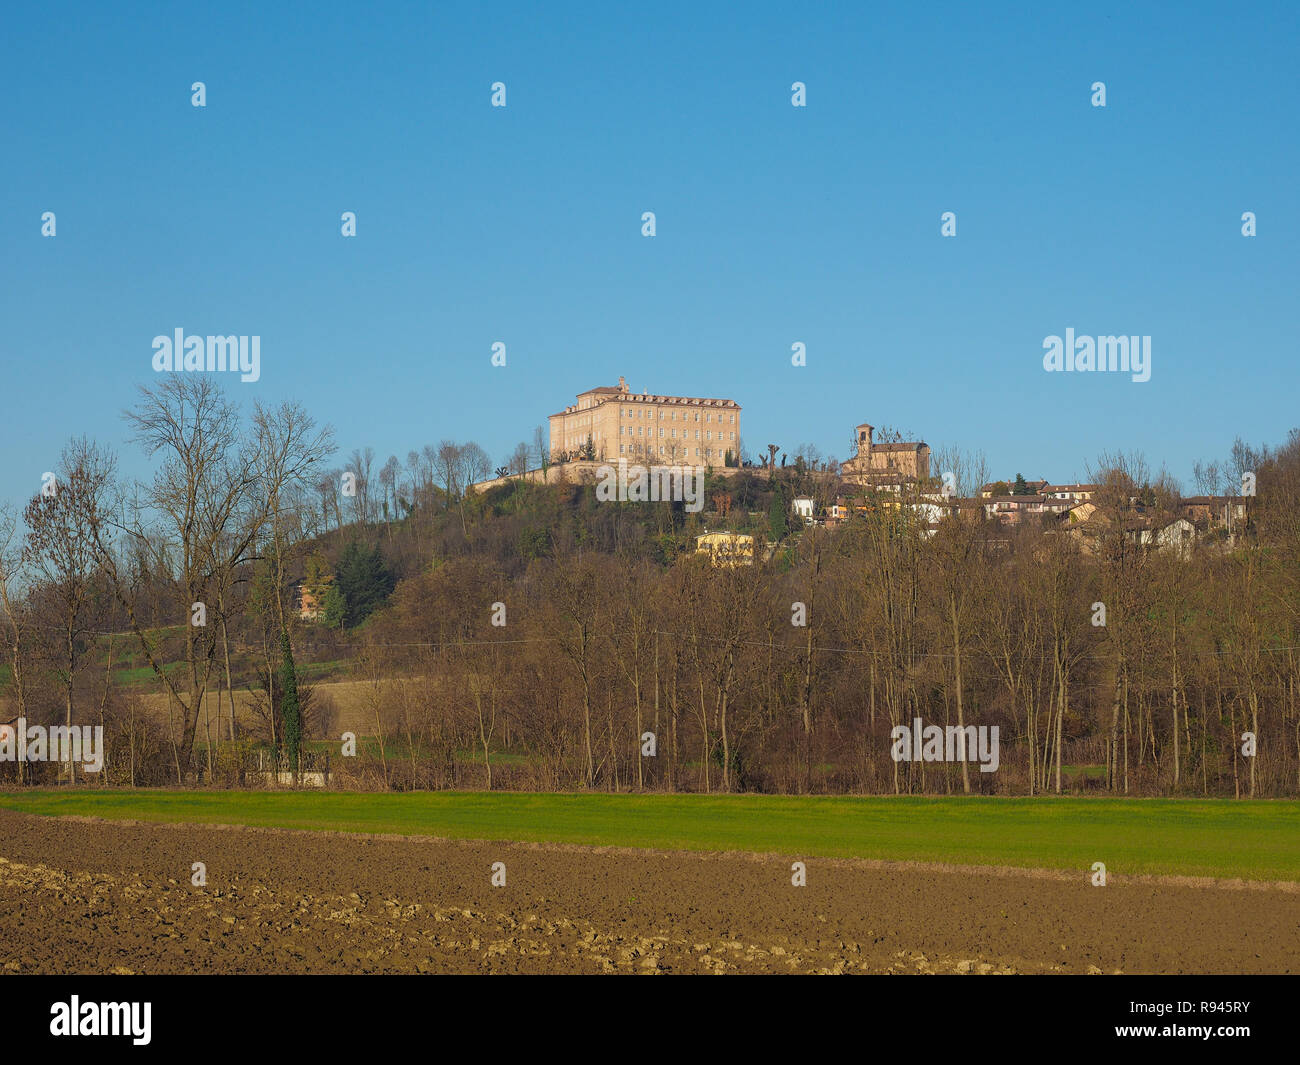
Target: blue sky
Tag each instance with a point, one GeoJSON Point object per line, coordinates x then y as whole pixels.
{"type": "Point", "coordinates": [775, 224]}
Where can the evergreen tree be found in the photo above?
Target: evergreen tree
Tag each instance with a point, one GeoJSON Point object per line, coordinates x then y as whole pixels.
{"type": "Point", "coordinates": [1021, 487]}
{"type": "Point", "coordinates": [776, 523]}
{"type": "Point", "coordinates": [290, 712]}
{"type": "Point", "coordinates": [364, 582]}
{"type": "Point", "coordinates": [334, 607]}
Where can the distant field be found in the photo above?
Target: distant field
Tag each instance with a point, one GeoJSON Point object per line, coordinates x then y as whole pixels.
{"type": "Point", "coordinates": [351, 710]}
{"type": "Point", "coordinates": [1253, 840]}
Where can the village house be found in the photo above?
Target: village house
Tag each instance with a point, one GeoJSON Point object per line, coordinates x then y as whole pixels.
{"type": "Point", "coordinates": [1176, 535]}
{"type": "Point", "coordinates": [1077, 493]}
{"type": "Point", "coordinates": [837, 513]}
{"type": "Point", "coordinates": [1161, 532]}
{"type": "Point", "coordinates": [1031, 488]}
{"type": "Point", "coordinates": [1224, 512]}
{"type": "Point", "coordinates": [1012, 510]}
{"type": "Point", "coordinates": [726, 549]}
{"type": "Point", "coordinates": [311, 601]}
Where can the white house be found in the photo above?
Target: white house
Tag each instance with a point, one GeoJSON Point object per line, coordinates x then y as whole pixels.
{"type": "Point", "coordinates": [1177, 535]}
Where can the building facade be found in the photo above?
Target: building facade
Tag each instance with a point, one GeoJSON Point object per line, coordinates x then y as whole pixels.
{"type": "Point", "coordinates": [1012, 510]}
{"type": "Point", "coordinates": [1076, 493]}
{"type": "Point", "coordinates": [311, 600]}
{"type": "Point", "coordinates": [726, 549]}
{"type": "Point", "coordinates": [885, 465]}
{"type": "Point", "coordinates": [609, 423]}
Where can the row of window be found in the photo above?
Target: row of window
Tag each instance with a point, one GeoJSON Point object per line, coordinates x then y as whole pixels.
{"type": "Point", "coordinates": [708, 433]}
{"type": "Point", "coordinates": [707, 452]}
{"type": "Point", "coordinates": [672, 415]}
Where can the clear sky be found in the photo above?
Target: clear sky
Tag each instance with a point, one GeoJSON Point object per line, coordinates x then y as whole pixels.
{"type": "Point", "coordinates": [775, 224]}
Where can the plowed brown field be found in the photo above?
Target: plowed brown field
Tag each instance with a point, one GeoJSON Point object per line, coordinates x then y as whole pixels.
{"type": "Point", "coordinates": [101, 897]}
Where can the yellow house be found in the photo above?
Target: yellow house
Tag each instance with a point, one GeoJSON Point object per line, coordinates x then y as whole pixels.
{"type": "Point", "coordinates": [726, 548]}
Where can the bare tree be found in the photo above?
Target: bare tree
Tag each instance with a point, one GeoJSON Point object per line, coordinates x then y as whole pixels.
{"type": "Point", "coordinates": [12, 574]}
{"type": "Point", "coordinates": [447, 460]}
{"type": "Point", "coordinates": [361, 466]}
{"type": "Point", "coordinates": [290, 450]}
{"type": "Point", "coordinates": [541, 450]}
{"type": "Point", "coordinates": [519, 460]}
{"type": "Point", "coordinates": [388, 476]}
{"type": "Point", "coordinates": [188, 422]}
{"type": "Point", "coordinates": [61, 550]}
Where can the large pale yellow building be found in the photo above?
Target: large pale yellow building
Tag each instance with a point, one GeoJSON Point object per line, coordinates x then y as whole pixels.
{"type": "Point", "coordinates": [669, 430]}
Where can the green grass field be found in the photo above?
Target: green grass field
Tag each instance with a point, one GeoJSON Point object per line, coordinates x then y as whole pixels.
{"type": "Point", "coordinates": [1255, 840]}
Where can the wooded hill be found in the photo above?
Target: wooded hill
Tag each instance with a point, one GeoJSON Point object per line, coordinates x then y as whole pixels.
{"type": "Point", "coordinates": [533, 637]}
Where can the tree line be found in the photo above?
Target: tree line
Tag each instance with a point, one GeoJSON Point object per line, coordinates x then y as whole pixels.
{"type": "Point", "coordinates": [529, 636]}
